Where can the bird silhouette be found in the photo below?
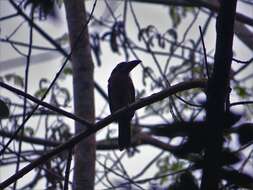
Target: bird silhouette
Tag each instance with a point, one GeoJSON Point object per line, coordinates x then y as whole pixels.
{"type": "Point", "coordinates": [121, 92]}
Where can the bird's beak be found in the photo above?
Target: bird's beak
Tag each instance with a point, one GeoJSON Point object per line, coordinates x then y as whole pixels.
{"type": "Point", "coordinates": [132, 64]}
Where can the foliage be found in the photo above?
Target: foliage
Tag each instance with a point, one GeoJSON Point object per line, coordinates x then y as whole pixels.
{"type": "Point", "coordinates": [175, 126]}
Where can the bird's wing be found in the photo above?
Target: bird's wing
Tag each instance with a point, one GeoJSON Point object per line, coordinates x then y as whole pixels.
{"type": "Point", "coordinates": [120, 92]}
{"type": "Point", "coordinates": [131, 92]}
{"type": "Point", "coordinates": [115, 95]}
{"type": "Point", "coordinates": [110, 96]}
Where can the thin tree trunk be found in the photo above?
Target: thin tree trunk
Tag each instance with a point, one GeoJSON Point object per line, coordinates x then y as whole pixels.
{"type": "Point", "coordinates": [83, 84]}
{"type": "Point", "coordinates": [218, 95]}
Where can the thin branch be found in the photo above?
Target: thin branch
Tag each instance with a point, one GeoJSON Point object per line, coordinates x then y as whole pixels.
{"type": "Point", "coordinates": [33, 140]}
{"type": "Point", "coordinates": [28, 61]}
{"type": "Point", "coordinates": [240, 103]}
{"type": "Point", "coordinates": [22, 44]}
{"type": "Point", "coordinates": [101, 124]}
{"type": "Point", "coordinates": [197, 3]}
{"type": "Point", "coordinates": [44, 104]}
{"type": "Point", "coordinates": [142, 181]}
{"type": "Point", "coordinates": [8, 16]}
{"type": "Point", "coordinates": [66, 178]}
{"type": "Point", "coordinates": [243, 62]}
{"type": "Point", "coordinates": [204, 49]}
{"type": "Point", "coordinates": [130, 181]}
{"type": "Point", "coordinates": [35, 26]}
{"type": "Point", "coordinates": [57, 74]}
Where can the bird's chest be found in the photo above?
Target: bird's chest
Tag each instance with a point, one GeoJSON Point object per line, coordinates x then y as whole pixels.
{"type": "Point", "coordinates": [121, 83]}
{"type": "Point", "coordinates": [120, 91]}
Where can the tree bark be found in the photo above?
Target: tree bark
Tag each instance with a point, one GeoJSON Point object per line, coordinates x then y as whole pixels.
{"type": "Point", "coordinates": [83, 90]}
{"type": "Point", "coordinates": [218, 95]}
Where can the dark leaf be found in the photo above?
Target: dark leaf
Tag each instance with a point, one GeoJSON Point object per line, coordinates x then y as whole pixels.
{"type": "Point", "coordinates": [141, 33]}
{"type": "Point", "coordinates": [4, 110]}
{"type": "Point", "coordinates": [175, 16]}
{"type": "Point", "coordinates": [113, 40]}
{"type": "Point", "coordinates": [95, 45]}
{"type": "Point", "coordinates": [230, 158]}
{"type": "Point", "coordinates": [245, 132]}
{"type": "Point", "coordinates": [18, 80]}
{"type": "Point", "coordinates": [173, 33]}
{"type": "Point", "coordinates": [40, 93]}
{"type": "Point", "coordinates": [235, 177]}
{"type": "Point", "coordinates": [231, 118]}
{"type": "Point", "coordinates": [185, 181]}
{"type": "Point", "coordinates": [242, 92]}
{"type": "Point", "coordinates": [43, 83]}
{"type": "Point", "coordinates": [43, 7]}
{"type": "Point", "coordinates": [161, 41]}
{"type": "Point", "coordinates": [68, 71]}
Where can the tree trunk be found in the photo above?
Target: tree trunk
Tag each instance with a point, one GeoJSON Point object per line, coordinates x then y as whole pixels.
{"type": "Point", "coordinates": [83, 86]}
{"type": "Point", "coordinates": [218, 95]}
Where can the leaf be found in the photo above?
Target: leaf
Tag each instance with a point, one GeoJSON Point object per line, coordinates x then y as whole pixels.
{"type": "Point", "coordinates": [150, 29]}
{"type": "Point", "coordinates": [242, 92]}
{"type": "Point", "coordinates": [175, 16]}
{"type": "Point", "coordinates": [176, 166]}
{"type": "Point", "coordinates": [66, 94]}
{"type": "Point", "coordinates": [141, 33]}
{"type": "Point", "coordinates": [63, 39]}
{"type": "Point", "coordinates": [68, 71]}
{"type": "Point", "coordinates": [163, 166]}
{"type": "Point", "coordinates": [29, 131]}
{"type": "Point", "coordinates": [242, 180]}
{"type": "Point", "coordinates": [245, 132]}
{"type": "Point", "coordinates": [40, 93]}
{"type": "Point", "coordinates": [43, 7]}
{"type": "Point", "coordinates": [150, 41]}
{"type": "Point", "coordinates": [4, 110]}
{"type": "Point", "coordinates": [184, 181]}
{"type": "Point", "coordinates": [113, 40]}
{"type": "Point", "coordinates": [161, 41]}
{"type": "Point", "coordinates": [95, 45]}
{"type": "Point", "coordinates": [147, 71]}
{"type": "Point", "coordinates": [173, 33]}
{"type": "Point", "coordinates": [18, 80]}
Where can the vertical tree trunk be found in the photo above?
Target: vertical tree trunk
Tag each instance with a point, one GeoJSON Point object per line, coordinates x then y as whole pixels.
{"type": "Point", "coordinates": [84, 153]}
{"type": "Point", "coordinates": [218, 94]}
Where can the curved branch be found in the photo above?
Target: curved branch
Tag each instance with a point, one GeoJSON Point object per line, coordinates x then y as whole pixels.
{"type": "Point", "coordinates": [104, 122]}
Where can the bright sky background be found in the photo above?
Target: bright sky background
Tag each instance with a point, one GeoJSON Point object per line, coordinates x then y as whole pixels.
{"type": "Point", "coordinates": [146, 13]}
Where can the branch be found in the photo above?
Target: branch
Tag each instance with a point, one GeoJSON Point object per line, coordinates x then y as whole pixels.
{"type": "Point", "coordinates": [101, 124]}
{"type": "Point", "coordinates": [52, 41]}
{"type": "Point", "coordinates": [197, 3]}
{"type": "Point", "coordinates": [44, 104]}
{"type": "Point", "coordinates": [218, 89]}
{"type": "Point", "coordinates": [33, 140]}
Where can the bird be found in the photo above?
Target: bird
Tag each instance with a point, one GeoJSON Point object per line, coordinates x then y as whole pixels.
{"type": "Point", "coordinates": [121, 93]}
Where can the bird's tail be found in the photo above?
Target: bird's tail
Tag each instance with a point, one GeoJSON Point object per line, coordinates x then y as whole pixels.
{"type": "Point", "coordinates": [124, 138]}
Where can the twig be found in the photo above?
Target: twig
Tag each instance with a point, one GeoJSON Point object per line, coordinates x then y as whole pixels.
{"type": "Point", "coordinates": [240, 103]}
{"type": "Point", "coordinates": [141, 181]}
{"type": "Point", "coordinates": [204, 49]}
{"type": "Point", "coordinates": [101, 124]}
{"type": "Point", "coordinates": [44, 104]}
{"type": "Point", "coordinates": [8, 16]}
{"type": "Point", "coordinates": [130, 181]}
{"type": "Point", "coordinates": [66, 178]}
{"type": "Point", "coordinates": [28, 61]}
{"type": "Point", "coordinates": [243, 62]}
{"type": "Point", "coordinates": [57, 74]}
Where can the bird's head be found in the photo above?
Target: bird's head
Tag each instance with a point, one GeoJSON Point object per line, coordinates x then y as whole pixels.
{"type": "Point", "coordinates": [126, 67]}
